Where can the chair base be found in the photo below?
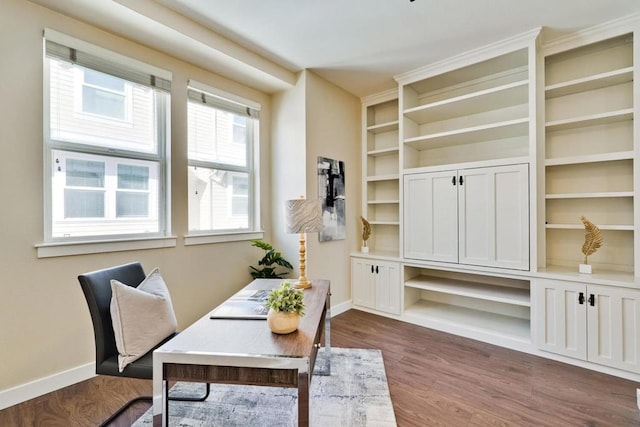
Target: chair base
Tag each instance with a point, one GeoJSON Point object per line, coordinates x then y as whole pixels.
{"type": "Point", "coordinates": [125, 407]}
{"type": "Point", "coordinates": [149, 399]}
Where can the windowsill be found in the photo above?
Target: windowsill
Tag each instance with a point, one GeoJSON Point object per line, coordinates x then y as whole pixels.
{"type": "Point", "coordinates": [204, 239]}
{"type": "Point", "coordinates": [49, 250]}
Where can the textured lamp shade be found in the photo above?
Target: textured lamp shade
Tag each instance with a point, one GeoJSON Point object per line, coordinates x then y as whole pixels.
{"type": "Point", "coordinates": [303, 216]}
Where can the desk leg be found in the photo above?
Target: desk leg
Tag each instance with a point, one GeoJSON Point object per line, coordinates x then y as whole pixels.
{"type": "Point", "coordinates": [327, 336]}
{"type": "Point", "coordinates": [165, 403]}
{"type": "Point", "coordinates": [303, 399]}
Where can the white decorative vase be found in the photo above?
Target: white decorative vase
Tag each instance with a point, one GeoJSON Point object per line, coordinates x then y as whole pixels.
{"type": "Point", "coordinates": [584, 268]}
{"type": "Point", "coordinates": [281, 322]}
{"type": "Point", "coordinates": [364, 249]}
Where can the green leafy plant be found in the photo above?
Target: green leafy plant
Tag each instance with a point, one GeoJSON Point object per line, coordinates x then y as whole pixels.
{"type": "Point", "coordinates": [271, 257]}
{"type": "Point", "coordinates": [286, 299]}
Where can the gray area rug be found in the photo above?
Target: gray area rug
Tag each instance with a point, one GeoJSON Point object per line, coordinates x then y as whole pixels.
{"type": "Point", "coordinates": [355, 394]}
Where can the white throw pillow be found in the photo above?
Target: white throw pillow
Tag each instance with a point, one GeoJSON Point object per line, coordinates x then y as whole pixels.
{"type": "Point", "coordinates": [142, 317]}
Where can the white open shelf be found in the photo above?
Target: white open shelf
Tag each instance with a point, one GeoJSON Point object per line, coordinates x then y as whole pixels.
{"type": "Point", "coordinates": [384, 202]}
{"type": "Point", "coordinates": [589, 158]}
{"type": "Point", "coordinates": [615, 227]}
{"type": "Point", "coordinates": [472, 103]}
{"type": "Point", "coordinates": [374, 222]}
{"type": "Point", "coordinates": [471, 135]}
{"type": "Point", "coordinates": [597, 81]}
{"type": "Point", "coordinates": [388, 177]}
{"type": "Point", "coordinates": [451, 316]}
{"type": "Point", "coordinates": [383, 152]}
{"type": "Point", "coordinates": [590, 195]}
{"type": "Point", "coordinates": [503, 294]}
{"type": "Point", "coordinates": [591, 120]}
{"type": "Point", "coordinates": [384, 127]}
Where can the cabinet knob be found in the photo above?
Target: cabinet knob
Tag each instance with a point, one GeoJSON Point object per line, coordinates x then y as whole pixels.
{"type": "Point", "coordinates": [453, 180]}
{"type": "Point", "coordinates": [461, 180]}
{"type": "Point", "coordinates": [376, 269]}
{"type": "Point", "coordinates": [592, 300]}
{"type": "Point", "coordinates": [581, 298]}
{"type": "Point", "coordinates": [371, 269]}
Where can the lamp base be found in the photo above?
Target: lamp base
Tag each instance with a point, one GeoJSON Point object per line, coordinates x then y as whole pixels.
{"type": "Point", "coordinates": [302, 283]}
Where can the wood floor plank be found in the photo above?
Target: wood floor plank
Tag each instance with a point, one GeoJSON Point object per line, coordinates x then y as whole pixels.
{"type": "Point", "coordinates": [435, 379]}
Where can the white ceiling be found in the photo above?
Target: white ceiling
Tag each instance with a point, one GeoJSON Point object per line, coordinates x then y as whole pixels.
{"type": "Point", "coordinates": [361, 44]}
{"type": "Point", "coordinates": [356, 44]}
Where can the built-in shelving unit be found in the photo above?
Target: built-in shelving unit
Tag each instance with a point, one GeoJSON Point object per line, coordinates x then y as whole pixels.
{"type": "Point", "coordinates": [476, 173]}
{"type": "Point", "coordinates": [381, 168]}
{"type": "Point", "coordinates": [589, 152]}
{"type": "Point", "coordinates": [496, 307]}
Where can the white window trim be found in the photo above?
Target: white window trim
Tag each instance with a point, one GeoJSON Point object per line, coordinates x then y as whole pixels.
{"type": "Point", "coordinates": [208, 238]}
{"type": "Point", "coordinates": [50, 250]}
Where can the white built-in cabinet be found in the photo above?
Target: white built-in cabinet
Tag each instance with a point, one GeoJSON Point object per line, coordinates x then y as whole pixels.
{"type": "Point", "coordinates": [476, 171]}
{"type": "Point", "coordinates": [476, 216]}
{"type": "Point", "coordinates": [376, 284]}
{"type": "Point", "coordinates": [596, 323]}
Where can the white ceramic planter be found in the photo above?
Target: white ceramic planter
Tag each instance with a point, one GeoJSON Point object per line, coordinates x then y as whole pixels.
{"type": "Point", "coordinates": [282, 322]}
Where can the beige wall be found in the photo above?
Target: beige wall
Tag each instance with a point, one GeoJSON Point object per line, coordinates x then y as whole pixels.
{"type": "Point", "coordinates": [333, 131]}
{"type": "Point", "coordinates": [316, 118]}
{"type": "Point", "coordinates": [288, 164]}
{"type": "Point", "coordinates": [45, 326]}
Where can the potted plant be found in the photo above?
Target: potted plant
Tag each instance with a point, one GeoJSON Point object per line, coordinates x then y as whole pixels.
{"type": "Point", "coordinates": [286, 306]}
{"type": "Point", "coordinates": [271, 257]}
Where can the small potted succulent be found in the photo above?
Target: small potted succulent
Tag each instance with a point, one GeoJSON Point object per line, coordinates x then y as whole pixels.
{"type": "Point", "coordinates": [286, 306]}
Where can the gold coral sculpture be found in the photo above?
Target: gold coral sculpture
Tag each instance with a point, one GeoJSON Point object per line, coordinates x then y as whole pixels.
{"type": "Point", "coordinates": [592, 238]}
{"type": "Point", "coordinates": [366, 229]}
{"type": "Point", "coordinates": [366, 233]}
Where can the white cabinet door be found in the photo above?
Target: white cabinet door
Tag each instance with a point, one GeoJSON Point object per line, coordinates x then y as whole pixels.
{"type": "Point", "coordinates": [600, 324]}
{"type": "Point", "coordinates": [387, 277]}
{"type": "Point", "coordinates": [493, 204]}
{"type": "Point", "coordinates": [431, 216]}
{"type": "Point", "coordinates": [614, 327]}
{"type": "Point", "coordinates": [363, 286]}
{"type": "Point", "coordinates": [561, 317]}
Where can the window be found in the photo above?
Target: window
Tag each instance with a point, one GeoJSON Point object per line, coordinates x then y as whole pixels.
{"type": "Point", "coordinates": [222, 181]}
{"type": "Point", "coordinates": [105, 139]}
{"type": "Point", "coordinates": [103, 96]}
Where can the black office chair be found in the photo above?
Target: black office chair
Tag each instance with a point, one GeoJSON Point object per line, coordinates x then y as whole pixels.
{"type": "Point", "coordinates": [96, 286]}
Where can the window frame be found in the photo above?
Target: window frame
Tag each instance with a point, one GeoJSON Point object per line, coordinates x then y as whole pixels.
{"type": "Point", "coordinates": [61, 246]}
{"type": "Point", "coordinates": [235, 104]}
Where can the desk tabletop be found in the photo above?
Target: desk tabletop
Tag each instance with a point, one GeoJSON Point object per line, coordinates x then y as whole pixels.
{"type": "Point", "coordinates": [253, 338]}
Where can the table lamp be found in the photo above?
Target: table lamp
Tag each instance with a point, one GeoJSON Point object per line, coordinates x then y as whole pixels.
{"type": "Point", "coordinates": [303, 216]}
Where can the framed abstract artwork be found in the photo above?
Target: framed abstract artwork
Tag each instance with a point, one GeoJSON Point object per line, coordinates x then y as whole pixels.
{"type": "Point", "coordinates": [332, 194]}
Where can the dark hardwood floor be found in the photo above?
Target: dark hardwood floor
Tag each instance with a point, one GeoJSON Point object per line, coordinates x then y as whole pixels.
{"type": "Point", "coordinates": [435, 379]}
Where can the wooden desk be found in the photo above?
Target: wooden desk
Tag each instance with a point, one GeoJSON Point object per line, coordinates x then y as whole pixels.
{"type": "Point", "coordinates": [238, 351]}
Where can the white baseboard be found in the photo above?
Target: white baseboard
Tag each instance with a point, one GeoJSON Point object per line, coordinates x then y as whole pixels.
{"type": "Point", "coordinates": [340, 308]}
{"type": "Point", "coordinates": [22, 393]}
